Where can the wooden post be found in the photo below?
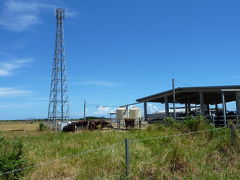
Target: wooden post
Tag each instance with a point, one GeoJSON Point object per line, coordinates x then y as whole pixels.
{"type": "Point", "coordinates": [127, 157]}
{"type": "Point", "coordinates": [233, 134]}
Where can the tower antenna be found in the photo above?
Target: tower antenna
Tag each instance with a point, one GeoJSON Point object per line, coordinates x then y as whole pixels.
{"type": "Point", "coordinates": [58, 109]}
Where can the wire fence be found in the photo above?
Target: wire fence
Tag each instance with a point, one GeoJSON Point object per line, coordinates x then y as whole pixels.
{"type": "Point", "coordinates": [119, 158]}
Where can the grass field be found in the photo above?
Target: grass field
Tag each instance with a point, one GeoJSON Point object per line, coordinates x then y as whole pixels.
{"type": "Point", "coordinates": [18, 126]}
{"type": "Point", "coordinates": [207, 155]}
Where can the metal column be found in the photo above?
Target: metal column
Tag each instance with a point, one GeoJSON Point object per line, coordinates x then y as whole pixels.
{"type": "Point", "coordinates": [166, 106]}
{"type": "Point", "coordinates": [189, 108]}
{"type": "Point", "coordinates": [201, 103]}
{"type": "Point", "coordinates": [216, 109]}
{"type": "Point", "coordinates": [145, 111]}
{"type": "Point", "coordinates": [208, 109]}
{"type": "Point", "coordinates": [238, 104]}
{"type": "Point", "coordinates": [186, 109]}
{"type": "Point", "coordinates": [174, 99]}
{"type": "Point", "coordinates": [224, 109]}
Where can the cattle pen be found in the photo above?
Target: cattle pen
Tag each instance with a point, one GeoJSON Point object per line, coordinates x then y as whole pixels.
{"type": "Point", "coordinates": [209, 101]}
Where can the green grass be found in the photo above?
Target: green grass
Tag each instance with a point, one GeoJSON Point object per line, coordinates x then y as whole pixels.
{"type": "Point", "coordinates": [208, 155]}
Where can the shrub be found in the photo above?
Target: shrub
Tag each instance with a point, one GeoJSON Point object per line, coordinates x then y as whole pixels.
{"type": "Point", "coordinates": [11, 158]}
{"type": "Point", "coordinates": [195, 123]}
{"type": "Point", "coordinates": [169, 122]}
{"type": "Point", "coordinates": [155, 127]}
{"type": "Point", "coordinates": [42, 127]}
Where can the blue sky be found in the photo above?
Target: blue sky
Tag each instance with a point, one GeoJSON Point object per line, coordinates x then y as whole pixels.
{"type": "Point", "coordinates": [116, 51]}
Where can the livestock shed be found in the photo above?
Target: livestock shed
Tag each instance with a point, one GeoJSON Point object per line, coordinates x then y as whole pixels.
{"type": "Point", "coordinates": [197, 99]}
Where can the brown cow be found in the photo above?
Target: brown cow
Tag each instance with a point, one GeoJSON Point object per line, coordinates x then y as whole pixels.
{"type": "Point", "coordinates": [129, 123]}
{"type": "Point", "coordinates": [94, 124]}
{"type": "Point", "coordinates": [104, 124]}
{"type": "Point", "coordinates": [82, 124]}
{"type": "Point", "coordinates": [69, 128]}
{"type": "Point", "coordinates": [99, 122]}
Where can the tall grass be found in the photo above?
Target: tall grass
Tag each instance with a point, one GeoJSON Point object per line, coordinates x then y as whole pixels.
{"type": "Point", "coordinates": [207, 155]}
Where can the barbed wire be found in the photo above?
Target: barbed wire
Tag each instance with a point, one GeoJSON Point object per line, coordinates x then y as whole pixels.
{"type": "Point", "coordinates": [175, 135]}
{"type": "Point", "coordinates": [105, 147]}
{"type": "Point", "coordinates": [60, 159]}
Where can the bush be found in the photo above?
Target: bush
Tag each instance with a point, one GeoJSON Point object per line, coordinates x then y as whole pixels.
{"type": "Point", "coordinates": [42, 127]}
{"type": "Point", "coordinates": [196, 123]}
{"type": "Point", "coordinates": [11, 158]}
{"type": "Point", "coordinates": [155, 127]}
{"type": "Point", "coordinates": [169, 122]}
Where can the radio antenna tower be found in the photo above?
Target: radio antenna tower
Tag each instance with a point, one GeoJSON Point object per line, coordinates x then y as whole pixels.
{"type": "Point", "coordinates": [58, 109]}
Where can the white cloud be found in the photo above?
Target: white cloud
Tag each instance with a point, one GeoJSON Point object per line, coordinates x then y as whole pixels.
{"type": "Point", "coordinates": [8, 68]}
{"type": "Point", "coordinates": [100, 83]}
{"type": "Point", "coordinates": [6, 92]}
{"type": "Point", "coordinates": [19, 15]}
{"type": "Point", "coordinates": [153, 108]}
{"type": "Point", "coordinates": [103, 110]}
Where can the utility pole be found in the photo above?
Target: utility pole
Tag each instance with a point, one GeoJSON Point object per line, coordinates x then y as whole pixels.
{"type": "Point", "coordinates": [174, 99]}
{"type": "Point", "coordinates": [84, 110]}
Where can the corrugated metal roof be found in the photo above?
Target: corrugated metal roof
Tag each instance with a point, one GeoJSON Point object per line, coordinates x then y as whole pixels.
{"type": "Point", "coordinates": [187, 93]}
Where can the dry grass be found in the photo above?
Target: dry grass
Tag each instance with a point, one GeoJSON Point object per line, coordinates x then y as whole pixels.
{"type": "Point", "coordinates": [18, 126]}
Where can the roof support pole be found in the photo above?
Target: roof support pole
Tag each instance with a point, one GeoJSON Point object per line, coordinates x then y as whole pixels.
{"type": "Point", "coordinates": [201, 103]}
{"type": "Point", "coordinates": [174, 99]}
{"type": "Point", "coordinates": [224, 109]}
{"type": "Point", "coordinates": [166, 106]}
{"type": "Point", "coordinates": [208, 109]}
{"type": "Point", "coordinates": [237, 104]}
{"type": "Point", "coordinates": [189, 108]}
{"type": "Point", "coordinates": [145, 111]}
{"type": "Point", "coordinates": [186, 109]}
{"type": "Point", "coordinates": [216, 109]}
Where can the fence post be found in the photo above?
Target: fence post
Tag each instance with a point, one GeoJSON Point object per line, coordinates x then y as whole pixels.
{"type": "Point", "coordinates": [140, 122]}
{"type": "Point", "coordinates": [127, 157]}
{"type": "Point", "coordinates": [233, 134]}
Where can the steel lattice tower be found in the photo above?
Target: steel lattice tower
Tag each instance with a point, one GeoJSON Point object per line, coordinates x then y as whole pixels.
{"type": "Point", "coordinates": [58, 109]}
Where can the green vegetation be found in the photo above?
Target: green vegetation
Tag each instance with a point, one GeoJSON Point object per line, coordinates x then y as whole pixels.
{"type": "Point", "coordinates": [42, 127]}
{"type": "Point", "coordinates": [205, 155]}
{"type": "Point", "coordinates": [11, 158]}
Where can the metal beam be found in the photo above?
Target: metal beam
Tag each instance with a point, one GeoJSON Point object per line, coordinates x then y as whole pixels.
{"type": "Point", "coordinates": [130, 104]}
